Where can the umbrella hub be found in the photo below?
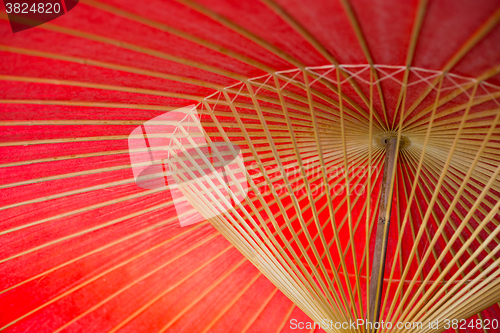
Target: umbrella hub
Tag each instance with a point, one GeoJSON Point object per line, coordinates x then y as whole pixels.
{"type": "Point", "coordinates": [382, 138]}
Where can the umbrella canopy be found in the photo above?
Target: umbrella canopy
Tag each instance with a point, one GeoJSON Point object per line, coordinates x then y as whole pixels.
{"type": "Point", "coordinates": [84, 247]}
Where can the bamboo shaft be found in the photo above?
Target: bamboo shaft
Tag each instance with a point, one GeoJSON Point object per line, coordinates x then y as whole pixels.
{"type": "Point", "coordinates": [378, 266]}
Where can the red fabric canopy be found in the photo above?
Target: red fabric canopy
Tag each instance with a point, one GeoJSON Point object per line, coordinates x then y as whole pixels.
{"type": "Point", "coordinates": [83, 248]}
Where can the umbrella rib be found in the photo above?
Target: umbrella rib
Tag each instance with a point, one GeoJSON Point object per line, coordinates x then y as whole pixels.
{"type": "Point", "coordinates": [448, 123]}
{"type": "Point", "coordinates": [88, 281]}
{"type": "Point", "coordinates": [329, 199]}
{"type": "Point", "coordinates": [135, 90]}
{"type": "Point", "coordinates": [366, 50]}
{"type": "Point", "coordinates": [429, 209]}
{"type": "Point", "coordinates": [167, 223]}
{"type": "Point", "coordinates": [348, 193]}
{"type": "Point", "coordinates": [69, 213]}
{"type": "Point", "coordinates": [207, 291]}
{"type": "Point", "coordinates": [327, 55]}
{"type": "Point", "coordinates": [304, 178]}
{"type": "Point", "coordinates": [415, 33]}
{"type": "Point", "coordinates": [459, 193]}
{"type": "Point", "coordinates": [426, 198]}
{"type": "Point", "coordinates": [400, 249]}
{"type": "Point", "coordinates": [264, 204]}
{"type": "Point", "coordinates": [179, 33]}
{"type": "Point", "coordinates": [130, 317]}
{"type": "Point", "coordinates": [368, 228]}
{"type": "Point", "coordinates": [259, 311]}
{"type": "Point", "coordinates": [113, 66]}
{"type": "Point", "coordinates": [294, 199]}
{"type": "Point", "coordinates": [217, 220]}
{"type": "Point", "coordinates": [458, 180]}
{"type": "Point", "coordinates": [217, 18]}
{"type": "Point", "coordinates": [461, 217]}
{"type": "Point", "coordinates": [414, 121]}
{"type": "Point", "coordinates": [475, 38]}
{"type": "Point", "coordinates": [412, 194]}
{"type": "Point", "coordinates": [145, 276]}
{"type": "Point", "coordinates": [288, 315]}
{"type": "Point", "coordinates": [324, 290]}
{"type": "Point", "coordinates": [461, 251]}
{"type": "Point", "coordinates": [95, 171]}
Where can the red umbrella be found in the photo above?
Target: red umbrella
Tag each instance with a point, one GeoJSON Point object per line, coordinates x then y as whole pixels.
{"type": "Point", "coordinates": [84, 247]}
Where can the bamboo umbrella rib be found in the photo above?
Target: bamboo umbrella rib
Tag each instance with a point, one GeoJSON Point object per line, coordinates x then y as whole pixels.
{"type": "Point", "coordinates": [478, 278]}
{"type": "Point", "coordinates": [167, 223]}
{"type": "Point", "coordinates": [16, 78]}
{"type": "Point", "coordinates": [478, 201]}
{"type": "Point", "coordinates": [446, 239]}
{"type": "Point", "coordinates": [119, 105]}
{"type": "Point", "coordinates": [257, 313]}
{"type": "Point", "coordinates": [261, 42]}
{"type": "Point", "coordinates": [475, 38]}
{"type": "Point", "coordinates": [204, 189]}
{"type": "Point", "coordinates": [348, 191]}
{"type": "Point", "coordinates": [88, 230]}
{"type": "Point", "coordinates": [144, 50]}
{"type": "Point", "coordinates": [170, 288]}
{"type": "Point", "coordinates": [414, 126]}
{"type": "Point", "coordinates": [475, 300]}
{"type": "Point", "coordinates": [451, 120]}
{"type": "Point", "coordinates": [426, 219]}
{"type": "Point", "coordinates": [124, 68]}
{"type": "Point", "coordinates": [287, 315]}
{"type": "Point", "coordinates": [470, 185]}
{"type": "Point", "coordinates": [412, 194]}
{"type": "Point", "coordinates": [451, 184]}
{"type": "Point", "coordinates": [456, 211]}
{"type": "Point", "coordinates": [364, 46]}
{"type": "Point", "coordinates": [448, 128]}
{"type": "Point", "coordinates": [368, 229]}
{"type": "Point", "coordinates": [348, 247]}
{"type": "Point", "coordinates": [140, 49]}
{"type": "Point", "coordinates": [79, 103]}
{"type": "Point", "coordinates": [179, 33]}
{"type": "Point", "coordinates": [235, 299]}
{"type": "Point", "coordinates": [81, 210]}
{"type": "Point", "coordinates": [204, 294]}
{"type": "Point", "coordinates": [145, 276]}
{"type": "Point", "coordinates": [241, 31]}
{"type": "Point", "coordinates": [88, 281]}
{"type": "Point", "coordinates": [323, 287]}
{"type": "Point", "coordinates": [329, 199]}
{"type": "Point", "coordinates": [453, 188]}
{"type": "Point", "coordinates": [414, 120]}
{"type": "Point", "coordinates": [401, 248]}
{"type": "Point", "coordinates": [327, 55]}
{"type": "Point", "coordinates": [114, 66]}
{"type": "Point", "coordinates": [415, 33]}
{"type": "Point", "coordinates": [121, 167]}
{"type": "Point", "coordinates": [459, 196]}
{"type": "Point", "coordinates": [264, 205]}
{"type": "Point", "coordinates": [294, 200]}
{"type": "Point", "coordinates": [398, 219]}
{"type": "Point", "coordinates": [72, 192]}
